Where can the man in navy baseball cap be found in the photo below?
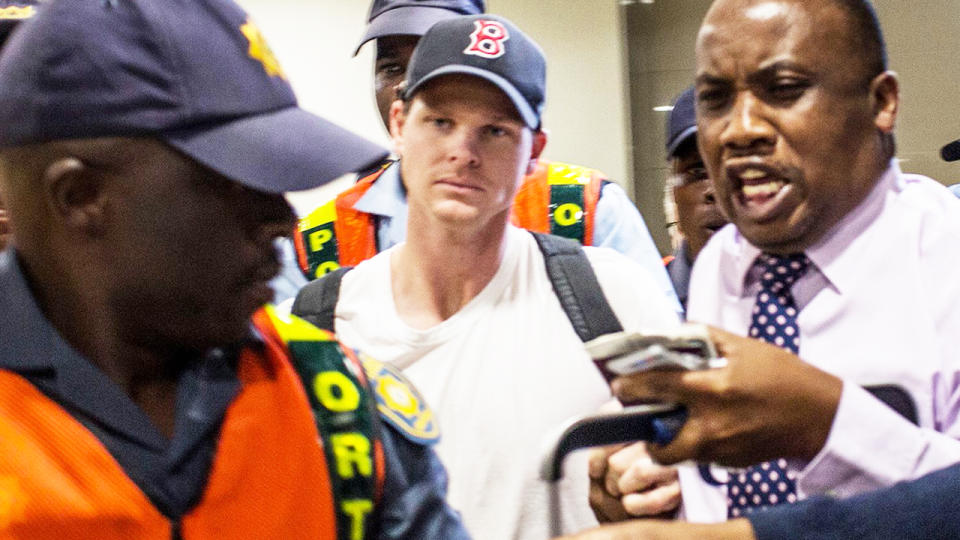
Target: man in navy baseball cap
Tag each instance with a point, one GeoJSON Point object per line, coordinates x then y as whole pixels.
{"type": "Point", "coordinates": [145, 389]}
{"type": "Point", "coordinates": [468, 130]}
{"type": "Point", "coordinates": [690, 190]}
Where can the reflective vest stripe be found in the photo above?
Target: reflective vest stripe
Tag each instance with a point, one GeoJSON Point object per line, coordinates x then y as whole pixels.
{"type": "Point", "coordinates": [336, 234]}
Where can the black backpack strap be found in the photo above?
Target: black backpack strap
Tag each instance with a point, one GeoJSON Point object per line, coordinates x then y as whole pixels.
{"type": "Point", "coordinates": [317, 301]}
{"type": "Point", "coordinates": [577, 287]}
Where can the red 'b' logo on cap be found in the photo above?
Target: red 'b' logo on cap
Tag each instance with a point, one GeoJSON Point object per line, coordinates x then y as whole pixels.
{"type": "Point", "coordinates": [488, 39]}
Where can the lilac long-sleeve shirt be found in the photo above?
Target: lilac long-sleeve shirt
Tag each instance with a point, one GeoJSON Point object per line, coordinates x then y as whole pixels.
{"type": "Point", "coordinates": [881, 305]}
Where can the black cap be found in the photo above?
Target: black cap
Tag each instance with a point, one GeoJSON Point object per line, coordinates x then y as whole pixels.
{"type": "Point", "coordinates": [682, 122]}
{"type": "Point", "coordinates": [196, 74]}
{"type": "Point", "coordinates": [951, 151]}
{"type": "Point", "coordinates": [413, 17]}
{"type": "Point", "coordinates": [485, 46]}
{"type": "Point", "coordinates": [12, 12]}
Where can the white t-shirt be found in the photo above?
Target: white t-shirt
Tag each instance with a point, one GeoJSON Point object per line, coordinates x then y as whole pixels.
{"type": "Point", "coordinates": [502, 375]}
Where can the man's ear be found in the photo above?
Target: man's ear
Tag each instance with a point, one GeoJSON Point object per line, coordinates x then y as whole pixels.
{"type": "Point", "coordinates": [77, 195]}
{"type": "Point", "coordinates": [885, 100]}
{"type": "Point", "coordinates": [539, 142]}
{"type": "Point", "coordinates": [397, 120]}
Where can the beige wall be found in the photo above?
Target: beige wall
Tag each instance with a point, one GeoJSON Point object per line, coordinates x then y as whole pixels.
{"type": "Point", "coordinates": [587, 106]}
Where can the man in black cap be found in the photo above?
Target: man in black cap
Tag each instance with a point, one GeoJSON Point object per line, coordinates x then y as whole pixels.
{"type": "Point", "coordinates": [144, 150]}
{"type": "Point", "coordinates": [557, 198]}
{"type": "Point", "coordinates": [466, 306]}
{"type": "Point", "coordinates": [11, 13]}
{"type": "Point", "coordinates": [697, 213]}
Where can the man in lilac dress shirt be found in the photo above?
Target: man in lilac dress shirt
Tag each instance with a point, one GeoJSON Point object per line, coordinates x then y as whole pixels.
{"type": "Point", "coordinates": [796, 111]}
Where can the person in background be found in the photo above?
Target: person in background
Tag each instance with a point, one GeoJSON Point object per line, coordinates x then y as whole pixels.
{"type": "Point", "coordinates": [558, 198]}
{"type": "Point", "coordinates": [145, 390]}
{"type": "Point", "coordinates": [695, 207]}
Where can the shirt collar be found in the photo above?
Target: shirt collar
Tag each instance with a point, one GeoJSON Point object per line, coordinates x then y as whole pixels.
{"type": "Point", "coordinates": [386, 195]}
{"type": "Point", "coordinates": [28, 338]}
{"type": "Point", "coordinates": [34, 349]}
{"type": "Point", "coordinates": [833, 255]}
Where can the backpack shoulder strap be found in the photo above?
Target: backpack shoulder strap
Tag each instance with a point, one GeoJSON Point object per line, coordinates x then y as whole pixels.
{"type": "Point", "coordinates": [577, 288]}
{"type": "Point", "coordinates": [317, 301]}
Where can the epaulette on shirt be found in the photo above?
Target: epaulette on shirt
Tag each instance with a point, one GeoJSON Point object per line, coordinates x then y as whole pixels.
{"type": "Point", "coordinates": [400, 404]}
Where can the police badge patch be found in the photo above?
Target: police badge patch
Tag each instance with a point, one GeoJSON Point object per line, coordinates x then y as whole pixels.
{"type": "Point", "coordinates": [400, 404]}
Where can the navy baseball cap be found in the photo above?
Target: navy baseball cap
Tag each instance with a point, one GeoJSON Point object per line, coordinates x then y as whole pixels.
{"type": "Point", "coordinates": [413, 17]}
{"type": "Point", "coordinates": [682, 122]}
{"type": "Point", "coordinates": [951, 151]}
{"type": "Point", "coordinates": [485, 46]}
{"type": "Point", "coordinates": [196, 74]}
{"type": "Point", "coordinates": [12, 12]}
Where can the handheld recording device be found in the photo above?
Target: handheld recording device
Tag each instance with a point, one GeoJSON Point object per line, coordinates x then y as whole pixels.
{"type": "Point", "coordinates": [683, 348]}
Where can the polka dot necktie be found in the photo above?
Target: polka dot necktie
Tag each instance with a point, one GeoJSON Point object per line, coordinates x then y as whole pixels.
{"type": "Point", "coordinates": [774, 320]}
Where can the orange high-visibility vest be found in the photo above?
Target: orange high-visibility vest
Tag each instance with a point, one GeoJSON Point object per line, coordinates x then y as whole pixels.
{"type": "Point", "coordinates": [557, 198]}
{"type": "Point", "coordinates": [269, 479]}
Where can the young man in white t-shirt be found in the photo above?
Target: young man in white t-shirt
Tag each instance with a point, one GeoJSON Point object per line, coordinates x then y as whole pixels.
{"type": "Point", "coordinates": [465, 306]}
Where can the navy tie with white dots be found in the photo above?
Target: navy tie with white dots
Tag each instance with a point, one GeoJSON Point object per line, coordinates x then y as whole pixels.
{"type": "Point", "coordinates": [774, 320]}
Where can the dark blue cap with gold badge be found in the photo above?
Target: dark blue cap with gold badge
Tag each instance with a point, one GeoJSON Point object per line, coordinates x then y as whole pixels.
{"type": "Point", "coordinates": [12, 13]}
{"type": "Point", "coordinates": [196, 74]}
{"type": "Point", "coordinates": [413, 17]}
{"type": "Point", "coordinates": [488, 47]}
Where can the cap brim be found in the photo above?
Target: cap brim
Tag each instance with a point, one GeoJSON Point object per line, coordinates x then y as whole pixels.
{"type": "Point", "coordinates": [404, 21]}
{"type": "Point", "coordinates": [286, 150]}
{"type": "Point", "coordinates": [680, 139]}
{"type": "Point", "coordinates": [529, 116]}
{"type": "Point", "coordinates": [951, 151]}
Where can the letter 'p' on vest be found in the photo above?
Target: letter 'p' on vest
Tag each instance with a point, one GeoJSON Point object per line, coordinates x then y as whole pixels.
{"type": "Point", "coordinates": [557, 198]}
{"type": "Point", "coordinates": [270, 477]}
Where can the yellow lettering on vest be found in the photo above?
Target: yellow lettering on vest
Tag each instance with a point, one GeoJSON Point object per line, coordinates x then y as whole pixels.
{"type": "Point", "coordinates": [567, 214]}
{"type": "Point", "coordinates": [325, 268]}
{"type": "Point", "coordinates": [357, 509]}
{"type": "Point", "coordinates": [352, 449]}
{"type": "Point", "coordinates": [336, 391]}
{"type": "Point", "coordinates": [319, 238]}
